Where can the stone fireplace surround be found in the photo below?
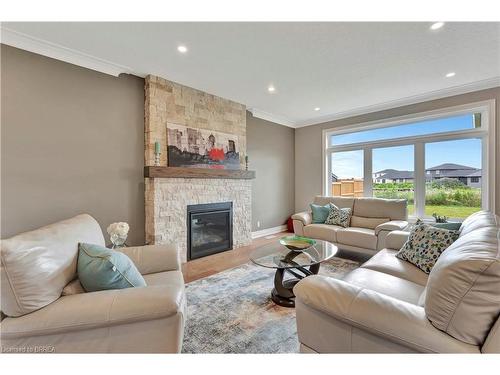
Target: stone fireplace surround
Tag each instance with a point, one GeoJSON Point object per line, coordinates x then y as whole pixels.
{"type": "Point", "coordinates": [166, 199]}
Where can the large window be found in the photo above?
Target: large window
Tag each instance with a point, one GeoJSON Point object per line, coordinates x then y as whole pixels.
{"type": "Point", "coordinates": [439, 161]}
{"type": "Point", "coordinates": [393, 174]}
{"type": "Point", "coordinates": [453, 171]}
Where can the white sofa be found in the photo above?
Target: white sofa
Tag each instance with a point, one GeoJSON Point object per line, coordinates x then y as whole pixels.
{"type": "Point", "coordinates": [45, 309]}
{"type": "Point", "coordinates": [372, 220]}
{"type": "Point", "coordinates": [389, 305]}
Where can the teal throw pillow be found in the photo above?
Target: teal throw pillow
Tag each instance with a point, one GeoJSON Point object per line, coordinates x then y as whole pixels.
{"type": "Point", "coordinates": [319, 213]}
{"type": "Point", "coordinates": [100, 268]}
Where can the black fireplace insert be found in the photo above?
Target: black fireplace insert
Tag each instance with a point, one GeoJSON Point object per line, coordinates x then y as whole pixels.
{"type": "Point", "coordinates": [209, 229]}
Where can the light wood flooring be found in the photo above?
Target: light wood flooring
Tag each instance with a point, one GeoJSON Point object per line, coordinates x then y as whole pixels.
{"type": "Point", "coordinates": [212, 264]}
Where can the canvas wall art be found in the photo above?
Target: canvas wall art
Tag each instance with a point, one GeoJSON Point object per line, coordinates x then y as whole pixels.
{"type": "Point", "coordinates": [201, 148]}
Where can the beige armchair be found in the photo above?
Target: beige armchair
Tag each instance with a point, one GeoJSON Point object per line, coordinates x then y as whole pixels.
{"type": "Point", "coordinates": [38, 266]}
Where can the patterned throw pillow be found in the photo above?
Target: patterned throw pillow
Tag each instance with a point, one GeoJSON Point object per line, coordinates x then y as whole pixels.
{"type": "Point", "coordinates": [425, 244]}
{"type": "Point", "coordinates": [338, 216]}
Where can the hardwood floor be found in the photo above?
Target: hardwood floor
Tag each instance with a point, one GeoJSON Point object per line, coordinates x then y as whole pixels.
{"type": "Point", "coordinates": [212, 264]}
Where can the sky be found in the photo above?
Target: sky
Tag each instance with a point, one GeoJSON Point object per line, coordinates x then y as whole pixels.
{"type": "Point", "coordinates": [465, 152]}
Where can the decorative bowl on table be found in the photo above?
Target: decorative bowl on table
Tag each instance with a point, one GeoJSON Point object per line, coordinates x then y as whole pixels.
{"type": "Point", "coordinates": [297, 243]}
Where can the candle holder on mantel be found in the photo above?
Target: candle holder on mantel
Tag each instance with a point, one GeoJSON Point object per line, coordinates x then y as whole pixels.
{"type": "Point", "coordinates": [157, 159]}
{"type": "Point", "coordinates": [157, 154]}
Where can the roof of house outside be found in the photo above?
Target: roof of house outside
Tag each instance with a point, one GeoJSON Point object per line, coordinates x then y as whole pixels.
{"type": "Point", "coordinates": [392, 175]}
{"type": "Point", "coordinates": [477, 173]}
{"type": "Point", "coordinates": [447, 170]}
{"type": "Point", "coordinates": [449, 166]}
{"type": "Point", "coordinates": [387, 171]}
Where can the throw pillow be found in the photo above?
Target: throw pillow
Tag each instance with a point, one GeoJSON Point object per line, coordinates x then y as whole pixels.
{"type": "Point", "coordinates": [319, 213]}
{"type": "Point", "coordinates": [100, 268]}
{"type": "Point", "coordinates": [425, 244]}
{"type": "Point", "coordinates": [339, 216]}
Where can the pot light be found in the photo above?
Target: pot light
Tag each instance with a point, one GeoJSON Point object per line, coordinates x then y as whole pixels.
{"type": "Point", "coordinates": [317, 109]}
{"type": "Point", "coordinates": [182, 49]}
{"type": "Point", "coordinates": [437, 25]}
{"type": "Point", "coordinates": [271, 89]}
{"type": "Point", "coordinates": [450, 74]}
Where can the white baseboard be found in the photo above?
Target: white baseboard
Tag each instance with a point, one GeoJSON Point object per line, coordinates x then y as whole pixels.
{"type": "Point", "coordinates": [268, 231]}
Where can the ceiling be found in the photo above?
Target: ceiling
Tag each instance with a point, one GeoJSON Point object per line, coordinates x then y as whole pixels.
{"type": "Point", "coordinates": [342, 68]}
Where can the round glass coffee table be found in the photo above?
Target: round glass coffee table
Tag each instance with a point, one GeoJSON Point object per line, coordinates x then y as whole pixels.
{"type": "Point", "coordinates": [298, 264]}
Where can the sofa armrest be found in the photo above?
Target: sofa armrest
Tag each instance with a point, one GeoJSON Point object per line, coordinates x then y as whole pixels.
{"type": "Point", "coordinates": [305, 217]}
{"type": "Point", "coordinates": [391, 225]}
{"type": "Point", "coordinates": [395, 320]}
{"type": "Point", "coordinates": [153, 258]}
{"type": "Point", "coordinates": [396, 239]}
{"type": "Point", "coordinates": [98, 309]}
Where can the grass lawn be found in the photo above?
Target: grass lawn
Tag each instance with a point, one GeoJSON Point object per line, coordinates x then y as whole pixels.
{"type": "Point", "coordinates": [450, 211]}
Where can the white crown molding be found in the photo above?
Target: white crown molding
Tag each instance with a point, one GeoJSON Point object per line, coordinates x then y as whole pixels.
{"type": "Point", "coordinates": [433, 95]}
{"type": "Point", "coordinates": [272, 118]}
{"type": "Point", "coordinates": [56, 51]}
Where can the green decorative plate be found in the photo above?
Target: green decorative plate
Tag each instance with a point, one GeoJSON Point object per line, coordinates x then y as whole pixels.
{"type": "Point", "coordinates": [297, 243]}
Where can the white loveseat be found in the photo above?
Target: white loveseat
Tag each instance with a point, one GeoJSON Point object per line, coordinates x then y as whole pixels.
{"type": "Point", "coordinates": [389, 305]}
{"type": "Point", "coordinates": [372, 220]}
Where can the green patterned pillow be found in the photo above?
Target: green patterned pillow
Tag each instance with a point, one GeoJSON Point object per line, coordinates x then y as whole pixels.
{"type": "Point", "coordinates": [339, 216]}
{"type": "Point", "coordinates": [425, 244]}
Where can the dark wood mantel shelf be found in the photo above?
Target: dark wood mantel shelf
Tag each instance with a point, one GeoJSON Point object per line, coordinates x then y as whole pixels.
{"type": "Point", "coordinates": [178, 172]}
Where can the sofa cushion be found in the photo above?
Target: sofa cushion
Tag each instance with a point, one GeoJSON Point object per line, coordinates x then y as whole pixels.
{"type": "Point", "coordinates": [368, 222]}
{"type": "Point", "coordinates": [37, 265]}
{"type": "Point", "coordinates": [358, 237]}
{"type": "Point", "coordinates": [463, 296]}
{"type": "Point", "coordinates": [425, 244]}
{"type": "Point", "coordinates": [340, 202]}
{"type": "Point", "coordinates": [386, 261]}
{"type": "Point", "coordinates": [339, 216]}
{"type": "Point", "coordinates": [74, 287]}
{"type": "Point", "coordinates": [322, 231]}
{"type": "Point", "coordinates": [478, 220]}
{"type": "Point", "coordinates": [386, 284]}
{"type": "Point", "coordinates": [395, 209]}
{"type": "Point", "coordinates": [100, 268]}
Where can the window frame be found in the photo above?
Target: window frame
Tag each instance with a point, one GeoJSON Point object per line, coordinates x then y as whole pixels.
{"type": "Point", "coordinates": [486, 133]}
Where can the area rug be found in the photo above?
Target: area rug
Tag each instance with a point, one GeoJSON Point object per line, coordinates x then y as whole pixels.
{"type": "Point", "coordinates": [232, 311]}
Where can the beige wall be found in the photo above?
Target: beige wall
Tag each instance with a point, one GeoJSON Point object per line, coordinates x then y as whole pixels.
{"type": "Point", "coordinates": [72, 141]}
{"type": "Point", "coordinates": [271, 155]}
{"type": "Point", "coordinates": [308, 142]}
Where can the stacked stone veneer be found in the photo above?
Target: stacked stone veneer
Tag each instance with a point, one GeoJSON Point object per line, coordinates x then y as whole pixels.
{"type": "Point", "coordinates": [170, 102]}
{"type": "Point", "coordinates": [172, 195]}
{"type": "Point", "coordinates": [166, 199]}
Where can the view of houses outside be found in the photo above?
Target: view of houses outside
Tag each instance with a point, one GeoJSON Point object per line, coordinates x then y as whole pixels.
{"type": "Point", "coordinates": [453, 173]}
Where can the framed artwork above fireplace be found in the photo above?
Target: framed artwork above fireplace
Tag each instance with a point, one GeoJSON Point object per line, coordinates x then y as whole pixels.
{"type": "Point", "coordinates": [201, 148]}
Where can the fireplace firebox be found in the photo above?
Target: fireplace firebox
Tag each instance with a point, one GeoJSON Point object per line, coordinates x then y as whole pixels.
{"type": "Point", "coordinates": [209, 229]}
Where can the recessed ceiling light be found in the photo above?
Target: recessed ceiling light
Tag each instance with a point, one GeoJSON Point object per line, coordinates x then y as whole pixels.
{"type": "Point", "coordinates": [182, 49]}
{"type": "Point", "coordinates": [271, 89]}
{"type": "Point", "coordinates": [450, 74]}
{"type": "Point", "coordinates": [437, 25]}
{"type": "Point", "coordinates": [317, 109]}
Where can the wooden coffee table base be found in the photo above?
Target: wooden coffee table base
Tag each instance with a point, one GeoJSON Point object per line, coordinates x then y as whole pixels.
{"type": "Point", "coordinates": [282, 294]}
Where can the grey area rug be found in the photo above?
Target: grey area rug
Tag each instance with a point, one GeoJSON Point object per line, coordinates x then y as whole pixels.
{"type": "Point", "coordinates": [232, 311]}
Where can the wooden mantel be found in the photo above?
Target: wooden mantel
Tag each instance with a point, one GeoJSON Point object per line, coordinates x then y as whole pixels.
{"type": "Point", "coordinates": [178, 172]}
